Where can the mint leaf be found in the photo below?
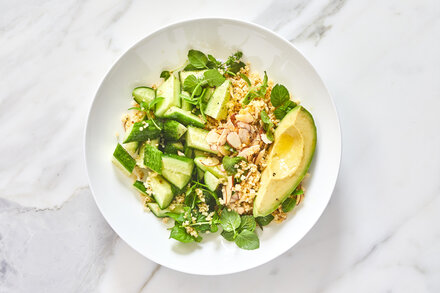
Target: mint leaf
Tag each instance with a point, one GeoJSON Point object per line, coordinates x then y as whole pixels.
{"type": "Point", "coordinates": [230, 236]}
{"type": "Point", "coordinates": [279, 95]}
{"type": "Point", "coordinates": [165, 74]}
{"type": "Point", "coordinates": [190, 83]}
{"type": "Point", "coordinates": [197, 59]}
{"type": "Point", "coordinates": [279, 113]}
{"type": "Point", "coordinates": [213, 77]}
{"type": "Point", "coordinates": [230, 162]}
{"type": "Point", "coordinates": [213, 63]}
{"type": "Point", "coordinates": [230, 220]}
{"type": "Point", "coordinates": [265, 118]}
{"type": "Point", "coordinates": [288, 204]}
{"type": "Point", "coordinates": [177, 217]}
{"type": "Point", "coordinates": [179, 233]}
{"type": "Point", "coordinates": [263, 221]}
{"type": "Point", "coordinates": [247, 223]}
{"type": "Point", "coordinates": [190, 67]}
{"type": "Point", "coordinates": [247, 240]}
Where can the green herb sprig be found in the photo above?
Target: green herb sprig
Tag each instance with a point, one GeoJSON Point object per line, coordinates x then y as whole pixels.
{"type": "Point", "coordinates": [255, 92]}
{"type": "Point", "coordinates": [280, 98]}
{"type": "Point", "coordinates": [241, 230]}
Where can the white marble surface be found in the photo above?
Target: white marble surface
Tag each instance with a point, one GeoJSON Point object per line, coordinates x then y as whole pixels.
{"type": "Point", "coordinates": [381, 62]}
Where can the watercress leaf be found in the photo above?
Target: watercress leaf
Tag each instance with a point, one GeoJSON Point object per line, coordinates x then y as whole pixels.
{"type": "Point", "coordinates": [247, 240]}
{"type": "Point", "coordinates": [238, 55]}
{"type": "Point", "coordinates": [177, 217]}
{"type": "Point", "coordinates": [288, 204]}
{"type": "Point", "coordinates": [248, 223]}
{"type": "Point", "coordinates": [190, 83]}
{"type": "Point", "coordinates": [212, 62]}
{"type": "Point", "coordinates": [214, 228]}
{"type": "Point", "coordinates": [263, 221]}
{"type": "Point", "coordinates": [154, 102]}
{"type": "Point", "coordinates": [165, 74]}
{"type": "Point", "coordinates": [290, 104]}
{"type": "Point", "coordinates": [279, 95]}
{"type": "Point", "coordinates": [197, 59]}
{"type": "Point", "coordinates": [230, 162]}
{"type": "Point", "coordinates": [230, 220]}
{"type": "Point", "coordinates": [270, 134]}
{"type": "Point", "coordinates": [228, 235]}
{"type": "Point", "coordinates": [179, 233]}
{"type": "Point", "coordinates": [246, 79]}
{"type": "Point", "coordinates": [298, 192]}
{"type": "Point", "coordinates": [249, 97]}
{"type": "Point", "coordinates": [213, 77]}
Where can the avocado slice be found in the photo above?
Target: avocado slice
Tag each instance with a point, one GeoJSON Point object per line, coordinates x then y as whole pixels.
{"type": "Point", "coordinates": [217, 104]}
{"type": "Point", "coordinates": [288, 162]}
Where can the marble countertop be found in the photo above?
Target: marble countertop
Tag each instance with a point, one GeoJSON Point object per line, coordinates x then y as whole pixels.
{"type": "Point", "coordinates": [379, 59]}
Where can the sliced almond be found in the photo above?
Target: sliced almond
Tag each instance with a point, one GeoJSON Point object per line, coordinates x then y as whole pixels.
{"type": "Point", "coordinates": [265, 139]}
{"type": "Point", "coordinates": [244, 135]}
{"type": "Point", "coordinates": [212, 137]}
{"type": "Point", "coordinates": [214, 147]}
{"type": "Point", "coordinates": [234, 197]}
{"type": "Point", "coordinates": [234, 140]}
{"type": "Point", "coordinates": [228, 190]}
{"type": "Point", "coordinates": [245, 117]}
{"type": "Point", "coordinates": [222, 138]}
{"type": "Point", "coordinates": [244, 126]}
{"type": "Point", "coordinates": [248, 152]}
{"type": "Point", "coordinates": [260, 157]}
{"type": "Point", "coordinates": [210, 161]}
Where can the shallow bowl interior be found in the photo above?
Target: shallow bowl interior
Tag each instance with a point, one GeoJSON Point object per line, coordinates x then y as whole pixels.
{"type": "Point", "coordinates": [142, 65]}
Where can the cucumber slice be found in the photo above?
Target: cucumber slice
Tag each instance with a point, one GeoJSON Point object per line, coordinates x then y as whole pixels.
{"type": "Point", "coordinates": [139, 185]}
{"type": "Point", "coordinates": [208, 94]}
{"type": "Point", "coordinates": [170, 91]}
{"type": "Point", "coordinates": [141, 131]}
{"type": "Point", "coordinates": [200, 173]}
{"type": "Point", "coordinates": [196, 138]}
{"type": "Point", "coordinates": [184, 117]}
{"type": "Point", "coordinates": [158, 212]}
{"type": "Point", "coordinates": [217, 105]}
{"type": "Point", "coordinates": [153, 158]}
{"type": "Point", "coordinates": [177, 169]}
{"type": "Point", "coordinates": [199, 153]}
{"type": "Point", "coordinates": [188, 152]}
{"type": "Point", "coordinates": [123, 160]}
{"type": "Point", "coordinates": [162, 191]}
{"type": "Point", "coordinates": [173, 130]}
{"type": "Point", "coordinates": [140, 158]}
{"type": "Point", "coordinates": [211, 181]}
{"type": "Point", "coordinates": [172, 148]}
{"type": "Point", "coordinates": [143, 94]}
{"type": "Point", "coordinates": [215, 170]}
{"type": "Point", "coordinates": [183, 75]}
{"type": "Point", "coordinates": [131, 147]}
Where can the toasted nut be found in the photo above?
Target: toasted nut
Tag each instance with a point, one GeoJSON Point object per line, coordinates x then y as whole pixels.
{"type": "Point", "coordinates": [260, 157]}
{"type": "Point", "coordinates": [212, 137]}
{"type": "Point", "coordinates": [234, 140]}
{"type": "Point", "coordinates": [244, 135]}
{"type": "Point", "coordinates": [245, 117]}
{"type": "Point", "coordinates": [228, 190]}
{"type": "Point", "coordinates": [248, 152]}
{"type": "Point", "coordinates": [265, 139]}
{"type": "Point", "coordinates": [223, 136]}
{"type": "Point", "coordinates": [244, 126]}
{"type": "Point", "coordinates": [214, 147]}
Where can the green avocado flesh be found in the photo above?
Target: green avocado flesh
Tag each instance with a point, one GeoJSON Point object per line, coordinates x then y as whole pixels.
{"type": "Point", "coordinates": [288, 161]}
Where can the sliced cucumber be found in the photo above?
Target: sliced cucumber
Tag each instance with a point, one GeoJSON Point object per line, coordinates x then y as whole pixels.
{"type": "Point", "coordinates": [217, 105]}
{"type": "Point", "coordinates": [123, 160]}
{"type": "Point", "coordinates": [199, 153]}
{"type": "Point", "coordinates": [139, 185]}
{"type": "Point", "coordinates": [196, 138]}
{"type": "Point", "coordinates": [211, 181]}
{"type": "Point", "coordinates": [185, 117]}
{"type": "Point", "coordinates": [200, 173]}
{"type": "Point", "coordinates": [189, 152]}
{"type": "Point", "coordinates": [143, 94]}
{"type": "Point", "coordinates": [141, 131]}
{"type": "Point", "coordinates": [208, 94]}
{"type": "Point", "coordinates": [131, 147]}
{"type": "Point", "coordinates": [170, 91]}
{"type": "Point", "coordinates": [215, 170]}
{"type": "Point", "coordinates": [158, 212]}
{"type": "Point", "coordinates": [153, 158]}
{"type": "Point", "coordinates": [172, 148]}
{"type": "Point", "coordinates": [162, 191]}
{"type": "Point", "coordinates": [173, 130]}
{"type": "Point", "coordinates": [177, 169]}
{"type": "Point", "coordinates": [140, 158]}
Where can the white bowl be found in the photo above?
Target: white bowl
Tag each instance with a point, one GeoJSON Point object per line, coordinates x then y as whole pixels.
{"type": "Point", "coordinates": [141, 65]}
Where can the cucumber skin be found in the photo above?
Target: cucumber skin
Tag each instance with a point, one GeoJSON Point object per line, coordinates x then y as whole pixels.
{"type": "Point", "coordinates": [173, 130]}
{"type": "Point", "coordinates": [194, 143]}
{"type": "Point", "coordinates": [149, 132]}
{"type": "Point", "coordinates": [176, 114]}
{"type": "Point", "coordinates": [153, 158]}
{"type": "Point", "coordinates": [127, 161]}
{"type": "Point", "coordinates": [139, 185]}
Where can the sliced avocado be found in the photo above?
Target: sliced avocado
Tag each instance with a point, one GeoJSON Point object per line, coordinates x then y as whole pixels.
{"type": "Point", "coordinates": [288, 162]}
{"type": "Point", "coordinates": [217, 105]}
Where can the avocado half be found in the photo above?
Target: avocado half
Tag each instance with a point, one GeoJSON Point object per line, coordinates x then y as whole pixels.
{"type": "Point", "coordinates": [288, 161]}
